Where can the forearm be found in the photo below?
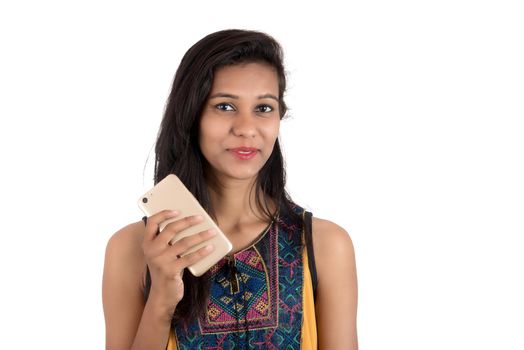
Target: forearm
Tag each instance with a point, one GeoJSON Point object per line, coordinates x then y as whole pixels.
{"type": "Point", "coordinates": [154, 328]}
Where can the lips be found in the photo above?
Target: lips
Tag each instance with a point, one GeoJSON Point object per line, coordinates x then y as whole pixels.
{"type": "Point", "coordinates": [244, 153]}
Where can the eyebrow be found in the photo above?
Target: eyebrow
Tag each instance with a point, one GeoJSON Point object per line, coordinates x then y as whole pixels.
{"type": "Point", "coordinates": [235, 97]}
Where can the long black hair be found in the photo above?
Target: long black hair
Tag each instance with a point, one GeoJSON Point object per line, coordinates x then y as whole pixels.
{"type": "Point", "coordinates": [177, 147]}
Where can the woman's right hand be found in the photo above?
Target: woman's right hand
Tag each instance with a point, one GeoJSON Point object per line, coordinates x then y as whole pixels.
{"type": "Point", "coordinates": [167, 261]}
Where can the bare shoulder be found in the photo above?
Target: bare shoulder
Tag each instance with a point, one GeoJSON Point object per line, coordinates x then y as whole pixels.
{"type": "Point", "coordinates": [329, 239]}
{"type": "Point", "coordinates": [336, 298]}
{"type": "Point", "coordinates": [124, 255]}
{"type": "Point", "coordinates": [334, 251]}
{"type": "Point", "coordinates": [127, 238]}
{"type": "Point", "coordinates": [122, 285]}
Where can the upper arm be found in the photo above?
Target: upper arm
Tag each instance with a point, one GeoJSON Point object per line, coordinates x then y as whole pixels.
{"type": "Point", "coordinates": [336, 298]}
{"type": "Point", "coordinates": [121, 287]}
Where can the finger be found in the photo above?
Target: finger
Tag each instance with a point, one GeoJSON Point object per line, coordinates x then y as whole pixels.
{"type": "Point", "coordinates": [196, 256]}
{"type": "Point", "coordinates": [173, 228]}
{"type": "Point", "coordinates": [182, 246]}
{"type": "Point", "coordinates": [154, 221]}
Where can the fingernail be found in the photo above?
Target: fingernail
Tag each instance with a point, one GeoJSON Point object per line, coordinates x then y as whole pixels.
{"type": "Point", "coordinates": [209, 247]}
{"type": "Point", "coordinates": [198, 217]}
{"type": "Point", "coordinates": [174, 212]}
{"type": "Point", "coordinates": [212, 232]}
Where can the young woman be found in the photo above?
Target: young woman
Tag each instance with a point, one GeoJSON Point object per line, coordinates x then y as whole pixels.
{"type": "Point", "coordinates": [290, 280]}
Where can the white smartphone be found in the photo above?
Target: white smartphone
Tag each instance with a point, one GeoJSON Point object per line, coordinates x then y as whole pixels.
{"type": "Point", "coordinates": [170, 193]}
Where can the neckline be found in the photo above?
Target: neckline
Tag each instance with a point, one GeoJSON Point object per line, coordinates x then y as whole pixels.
{"type": "Point", "coordinates": [254, 242]}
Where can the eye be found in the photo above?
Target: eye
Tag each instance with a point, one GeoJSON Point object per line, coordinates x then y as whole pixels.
{"type": "Point", "coordinates": [224, 107]}
{"type": "Point", "coordinates": [264, 108]}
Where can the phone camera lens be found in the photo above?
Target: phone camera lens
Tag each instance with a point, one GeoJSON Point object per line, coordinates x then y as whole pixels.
{"type": "Point", "coordinates": [144, 200]}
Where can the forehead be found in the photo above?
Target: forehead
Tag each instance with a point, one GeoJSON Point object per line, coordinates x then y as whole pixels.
{"type": "Point", "coordinates": [245, 78]}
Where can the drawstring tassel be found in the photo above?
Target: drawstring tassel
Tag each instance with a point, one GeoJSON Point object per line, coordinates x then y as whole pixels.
{"type": "Point", "coordinates": [233, 275]}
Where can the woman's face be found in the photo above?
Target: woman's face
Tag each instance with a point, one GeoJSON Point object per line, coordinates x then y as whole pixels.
{"type": "Point", "coordinates": [240, 120]}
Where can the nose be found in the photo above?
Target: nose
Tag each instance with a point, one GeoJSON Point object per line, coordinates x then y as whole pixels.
{"type": "Point", "coordinates": [244, 124]}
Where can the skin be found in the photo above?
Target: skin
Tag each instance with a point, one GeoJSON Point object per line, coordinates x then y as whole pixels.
{"type": "Point", "coordinates": [242, 111]}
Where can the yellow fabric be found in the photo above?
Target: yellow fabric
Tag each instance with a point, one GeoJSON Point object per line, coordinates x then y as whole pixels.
{"type": "Point", "coordinates": [309, 322]}
{"type": "Point", "coordinates": [171, 344]}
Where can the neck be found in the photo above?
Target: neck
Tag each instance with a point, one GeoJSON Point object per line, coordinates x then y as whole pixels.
{"type": "Point", "coordinates": [234, 201]}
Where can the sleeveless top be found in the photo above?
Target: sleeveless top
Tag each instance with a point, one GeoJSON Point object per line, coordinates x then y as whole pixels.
{"type": "Point", "coordinates": [261, 297]}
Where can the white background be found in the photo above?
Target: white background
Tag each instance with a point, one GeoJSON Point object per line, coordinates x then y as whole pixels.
{"type": "Point", "coordinates": [406, 128]}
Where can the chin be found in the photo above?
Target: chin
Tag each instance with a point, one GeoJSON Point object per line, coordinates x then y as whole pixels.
{"type": "Point", "coordinates": [237, 172]}
{"type": "Point", "coordinates": [244, 175]}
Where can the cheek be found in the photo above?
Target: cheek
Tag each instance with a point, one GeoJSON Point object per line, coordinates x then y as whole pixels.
{"type": "Point", "coordinates": [272, 129]}
{"type": "Point", "coordinates": [207, 133]}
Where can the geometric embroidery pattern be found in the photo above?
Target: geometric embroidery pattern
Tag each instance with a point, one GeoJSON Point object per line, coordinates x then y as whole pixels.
{"type": "Point", "coordinates": [256, 296]}
{"type": "Point", "coordinates": [256, 302]}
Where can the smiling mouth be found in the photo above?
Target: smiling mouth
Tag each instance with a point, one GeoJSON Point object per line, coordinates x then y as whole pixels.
{"type": "Point", "coordinates": [244, 153]}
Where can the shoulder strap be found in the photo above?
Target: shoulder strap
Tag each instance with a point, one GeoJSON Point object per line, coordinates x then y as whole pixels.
{"type": "Point", "coordinates": [308, 233]}
{"type": "Point", "coordinates": [147, 277]}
